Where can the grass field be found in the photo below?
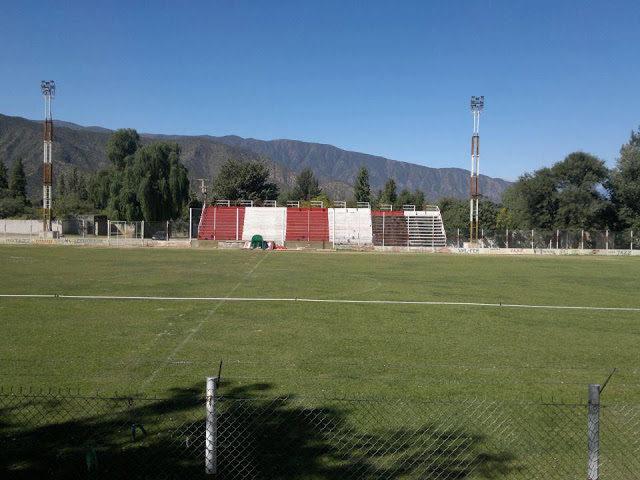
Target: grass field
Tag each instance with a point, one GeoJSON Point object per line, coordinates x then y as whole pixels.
{"type": "Point", "coordinates": [303, 348]}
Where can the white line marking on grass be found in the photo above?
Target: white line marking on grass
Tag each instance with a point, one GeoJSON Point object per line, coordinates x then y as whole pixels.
{"type": "Point", "coordinates": [188, 338]}
{"type": "Point", "coordinates": [326, 300]}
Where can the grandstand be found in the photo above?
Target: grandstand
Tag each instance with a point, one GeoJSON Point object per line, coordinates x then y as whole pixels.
{"type": "Point", "coordinates": [340, 226]}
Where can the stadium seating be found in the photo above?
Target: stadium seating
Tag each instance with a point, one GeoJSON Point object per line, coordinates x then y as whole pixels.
{"type": "Point", "coordinates": [307, 224]}
{"type": "Point", "coordinates": [221, 223]}
{"type": "Point", "coordinates": [342, 226]}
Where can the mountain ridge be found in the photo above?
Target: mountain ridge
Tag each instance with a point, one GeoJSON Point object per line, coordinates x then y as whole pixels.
{"type": "Point", "coordinates": [85, 148]}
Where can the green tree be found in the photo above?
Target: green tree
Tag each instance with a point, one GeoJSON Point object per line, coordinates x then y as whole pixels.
{"type": "Point", "coordinates": [122, 144]}
{"type": "Point", "coordinates": [580, 178]}
{"type": "Point", "coordinates": [244, 181]}
{"type": "Point", "coordinates": [389, 195]}
{"type": "Point", "coordinates": [11, 207]}
{"type": "Point", "coordinates": [143, 182]}
{"type": "Point", "coordinates": [100, 187]}
{"type": "Point", "coordinates": [62, 188]}
{"type": "Point", "coordinates": [362, 189]}
{"type": "Point", "coordinates": [307, 186]}
{"type": "Point", "coordinates": [569, 195]}
{"type": "Point", "coordinates": [455, 216]}
{"type": "Point", "coordinates": [416, 198]}
{"type": "Point", "coordinates": [18, 185]}
{"type": "Point", "coordinates": [4, 179]}
{"type": "Point", "coordinates": [624, 184]}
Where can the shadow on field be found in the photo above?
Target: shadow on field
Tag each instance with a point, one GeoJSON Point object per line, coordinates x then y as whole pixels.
{"type": "Point", "coordinates": [72, 436]}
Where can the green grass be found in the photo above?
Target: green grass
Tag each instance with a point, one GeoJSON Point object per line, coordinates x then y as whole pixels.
{"type": "Point", "coordinates": [312, 349]}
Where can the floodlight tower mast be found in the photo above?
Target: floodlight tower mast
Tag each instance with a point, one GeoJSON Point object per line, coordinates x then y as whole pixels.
{"type": "Point", "coordinates": [477, 104]}
{"type": "Point", "coordinates": [48, 89]}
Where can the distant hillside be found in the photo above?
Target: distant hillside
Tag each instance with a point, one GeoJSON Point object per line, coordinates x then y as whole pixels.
{"type": "Point", "coordinates": [331, 163]}
{"type": "Point", "coordinates": [85, 148]}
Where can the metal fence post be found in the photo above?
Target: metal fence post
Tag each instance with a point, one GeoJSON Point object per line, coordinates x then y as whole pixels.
{"type": "Point", "coordinates": [211, 435]}
{"type": "Point", "coordinates": [593, 432]}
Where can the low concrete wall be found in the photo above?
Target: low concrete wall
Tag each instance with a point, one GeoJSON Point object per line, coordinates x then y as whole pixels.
{"type": "Point", "coordinates": [26, 227]}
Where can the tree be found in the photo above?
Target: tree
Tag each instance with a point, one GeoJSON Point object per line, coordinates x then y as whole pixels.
{"type": "Point", "coordinates": [4, 179]}
{"type": "Point", "coordinates": [248, 181]}
{"type": "Point", "coordinates": [100, 187]}
{"type": "Point", "coordinates": [389, 195]}
{"type": "Point", "coordinates": [579, 185]}
{"type": "Point", "coordinates": [624, 184]}
{"type": "Point", "coordinates": [569, 195]}
{"type": "Point", "coordinates": [122, 143]}
{"type": "Point", "coordinates": [455, 216]}
{"type": "Point", "coordinates": [62, 188]}
{"type": "Point", "coordinates": [142, 183]}
{"type": "Point", "coordinates": [307, 185]}
{"type": "Point", "coordinates": [362, 189]}
{"type": "Point", "coordinates": [407, 198]}
{"type": "Point", "coordinates": [18, 185]}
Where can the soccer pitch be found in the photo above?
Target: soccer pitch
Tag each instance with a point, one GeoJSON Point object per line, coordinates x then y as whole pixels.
{"type": "Point", "coordinates": [479, 325]}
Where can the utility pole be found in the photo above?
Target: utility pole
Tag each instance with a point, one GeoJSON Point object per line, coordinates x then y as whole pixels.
{"type": "Point", "coordinates": [203, 190]}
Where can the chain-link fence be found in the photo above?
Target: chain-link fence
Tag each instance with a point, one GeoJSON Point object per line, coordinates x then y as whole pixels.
{"type": "Point", "coordinates": [54, 435]}
{"type": "Point", "coordinates": [553, 239]}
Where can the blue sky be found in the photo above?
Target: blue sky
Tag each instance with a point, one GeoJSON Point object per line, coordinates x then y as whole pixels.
{"type": "Point", "coordinates": [388, 78]}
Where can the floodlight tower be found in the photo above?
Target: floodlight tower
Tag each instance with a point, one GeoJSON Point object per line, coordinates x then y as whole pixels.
{"type": "Point", "coordinates": [477, 104]}
{"type": "Point", "coordinates": [48, 89]}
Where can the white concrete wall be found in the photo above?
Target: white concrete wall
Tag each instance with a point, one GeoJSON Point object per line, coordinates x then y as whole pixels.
{"type": "Point", "coordinates": [350, 226]}
{"type": "Point", "coordinates": [270, 222]}
{"type": "Point", "coordinates": [26, 227]}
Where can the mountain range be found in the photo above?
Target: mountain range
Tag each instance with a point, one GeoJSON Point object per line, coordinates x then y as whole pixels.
{"type": "Point", "coordinates": [85, 148]}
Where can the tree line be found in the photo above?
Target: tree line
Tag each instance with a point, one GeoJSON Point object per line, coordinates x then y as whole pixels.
{"type": "Point", "coordinates": [149, 182]}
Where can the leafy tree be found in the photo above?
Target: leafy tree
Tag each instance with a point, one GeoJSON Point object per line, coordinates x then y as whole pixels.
{"type": "Point", "coordinates": [407, 198]}
{"type": "Point", "coordinates": [4, 180]}
{"type": "Point", "coordinates": [455, 215]}
{"type": "Point", "coordinates": [18, 185]}
{"type": "Point", "coordinates": [142, 183]}
{"type": "Point", "coordinates": [324, 198]}
{"type": "Point", "coordinates": [568, 195]}
{"type": "Point", "coordinates": [388, 195]}
{"type": "Point", "coordinates": [362, 188]}
{"type": "Point", "coordinates": [100, 187]}
{"type": "Point", "coordinates": [624, 184]}
{"type": "Point", "coordinates": [249, 181]}
{"type": "Point", "coordinates": [122, 143]}
{"type": "Point", "coordinates": [307, 186]}
{"type": "Point", "coordinates": [62, 188]}
{"type": "Point", "coordinates": [579, 187]}
{"type": "Point", "coordinates": [11, 207]}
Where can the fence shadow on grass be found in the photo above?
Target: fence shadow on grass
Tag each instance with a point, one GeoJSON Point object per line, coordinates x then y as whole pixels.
{"type": "Point", "coordinates": [73, 436]}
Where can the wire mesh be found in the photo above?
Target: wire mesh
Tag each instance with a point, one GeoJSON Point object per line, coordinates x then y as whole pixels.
{"type": "Point", "coordinates": [53, 435]}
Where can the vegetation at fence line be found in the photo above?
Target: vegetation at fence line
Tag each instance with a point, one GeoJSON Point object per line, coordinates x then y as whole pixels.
{"type": "Point", "coordinates": [244, 181]}
{"type": "Point", "coordinates": [309, 348]}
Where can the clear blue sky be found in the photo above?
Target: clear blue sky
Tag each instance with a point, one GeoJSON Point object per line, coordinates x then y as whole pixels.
{"type": "Point", "coordinates": [389, 78]}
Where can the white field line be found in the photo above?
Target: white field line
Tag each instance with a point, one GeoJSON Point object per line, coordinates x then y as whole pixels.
{"type": "Point", "coordinates": [188, 338]}
{"type": "Point", "coordinates": [322, 300]}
